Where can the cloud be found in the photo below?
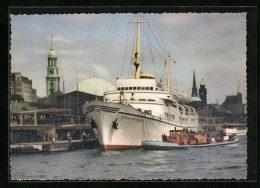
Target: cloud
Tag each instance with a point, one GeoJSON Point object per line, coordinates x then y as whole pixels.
{"type": "Point", "coordinates": [71, 52]}
{"type": "Point", "coordinates": [100, 70]}
{"type": "Point", "coordinates": [83, 18]}
{"type": "Point", "coordinates": [181, 18]}
{"type": "Point", "coordinates": [60, 39]}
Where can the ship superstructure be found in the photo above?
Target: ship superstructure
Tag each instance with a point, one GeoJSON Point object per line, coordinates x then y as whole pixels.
{"type": "Point", "coordinates": [140, 109]}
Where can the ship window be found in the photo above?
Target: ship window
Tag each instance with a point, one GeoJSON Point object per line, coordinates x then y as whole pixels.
{"type": "Point", "coordinates": [193, 120]}
{"type": "Point", "coordinates": [130, 88]}
{"type": "Point", "coordinates": [183, 119]}
{"type": "Point", "coordinates": [118, 88]}
{"type": "Point", "coordinates": [134, 88]}
{"type": "Point", "coordinates": [132, 99]}
{"type": "Point", "coordinates": [156, 89]}
{"type": "Point", "coordinates": [122, 88]}
{"type": "Point", "coordinates": [142, 88]}
{"type": "Point", "coordinates": [151, 100]}
{"type": "Point", "coordinates": [151, 88]}
{"type": "Point", "coordinates": [126, 88]}
{"type": "Point", "coordinates": [174, 104]}
{"type": "Point", "coordinates": [138, 88]}
{"type": "Point", "coordinates": [173, 117]}
{"type": "Point", "coordinates": [147, 88]}
{"type": "Point", "coordinates": [142, 99]}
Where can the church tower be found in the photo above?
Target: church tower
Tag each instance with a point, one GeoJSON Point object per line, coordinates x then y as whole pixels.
{"type": "Point", "coordinates": [194, 87]}
{"type": "Point", "coordinates": [52, 78]}
{"type": "Point", "coordinates": [203, 93]}
{"type": "Point", "coordinates": [239, 94]}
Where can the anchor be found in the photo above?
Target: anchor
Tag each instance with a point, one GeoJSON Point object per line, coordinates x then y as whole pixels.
{"type": "Point", "coordinates": [115, 124]}
{"type": "Point", "coordinates": [93, 124]}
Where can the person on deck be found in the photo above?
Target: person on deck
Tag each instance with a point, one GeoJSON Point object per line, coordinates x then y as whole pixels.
{"type": "Point", "coordinates": [84, 137]}
{"type": "Point", "coordinates": [68, 136]}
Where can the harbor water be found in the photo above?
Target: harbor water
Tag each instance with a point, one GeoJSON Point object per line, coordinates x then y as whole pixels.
{"type": "Point", "coordinates": [220, 162]}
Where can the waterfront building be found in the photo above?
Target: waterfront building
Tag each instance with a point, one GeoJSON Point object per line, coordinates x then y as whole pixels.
{"type": "Point", "coordinates": [233, 104]}
{"type": "Point", "coordinates": [231, 110]}
{"type": "Point", "coordinates": [52, 78]}
{"type": "Point", "coordinates": [22, 86]}
{"type": "Point", "coordinates": [203, 94]}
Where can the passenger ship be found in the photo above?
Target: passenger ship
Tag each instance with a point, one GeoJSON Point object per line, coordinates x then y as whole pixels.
{"type": "Point", "coordinates": [140, 109]}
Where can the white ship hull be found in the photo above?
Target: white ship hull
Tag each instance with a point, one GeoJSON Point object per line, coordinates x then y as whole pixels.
{"type": "Point", "coordinates": [131, 127]}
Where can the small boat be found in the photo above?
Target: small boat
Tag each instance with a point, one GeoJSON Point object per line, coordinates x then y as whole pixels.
{"type": "Point", "coordinates": [159, 145]}
{"type": "Point", "coordinates": [185, 139]}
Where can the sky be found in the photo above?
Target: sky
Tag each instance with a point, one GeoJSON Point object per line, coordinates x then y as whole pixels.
{"type": "Point", "coordinates": [102, 45]}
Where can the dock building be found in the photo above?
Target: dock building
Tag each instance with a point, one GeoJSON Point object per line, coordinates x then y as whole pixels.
{"type": "Point", "coordinates": [37, 125]}
{"type": "Point", "coordinates": [89, 89]}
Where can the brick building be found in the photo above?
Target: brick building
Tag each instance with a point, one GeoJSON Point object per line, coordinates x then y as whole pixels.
{"type": "Point", "coordinates": [22, 86]}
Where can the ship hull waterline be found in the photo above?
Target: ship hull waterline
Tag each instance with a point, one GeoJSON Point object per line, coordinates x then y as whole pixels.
{"type": "Point", "coordinates": [119, 126]}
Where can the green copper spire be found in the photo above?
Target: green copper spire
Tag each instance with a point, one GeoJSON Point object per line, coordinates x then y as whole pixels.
{"type": "Point", "coordinates": [202, 83]}
{"type": "Point", "coordinates": [52, 53]}
{"type": "Point", "coordinates": [51, 41]}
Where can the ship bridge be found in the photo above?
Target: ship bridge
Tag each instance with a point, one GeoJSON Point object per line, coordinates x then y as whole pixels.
{"type": "Point", "coordinates": [147, 76]}
{"type": "Point", "coordinates": [137, 84]}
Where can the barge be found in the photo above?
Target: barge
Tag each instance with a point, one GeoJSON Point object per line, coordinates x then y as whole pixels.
{"type": "Point", "coordinates": [185, 139]}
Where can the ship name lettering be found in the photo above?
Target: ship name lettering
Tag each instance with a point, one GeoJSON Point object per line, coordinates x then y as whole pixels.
{"type": "Point", "coordinates": [131, 118]}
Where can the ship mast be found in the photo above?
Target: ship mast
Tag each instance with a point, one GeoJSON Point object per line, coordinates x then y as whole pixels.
{"type": "Point", "coordinates": [169, 72]}
{"type": "Point", "coordinates": [137, 55]}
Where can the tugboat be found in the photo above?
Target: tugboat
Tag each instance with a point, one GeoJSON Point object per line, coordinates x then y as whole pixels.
{"type": "Point", "coordinates": [184, 139]}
